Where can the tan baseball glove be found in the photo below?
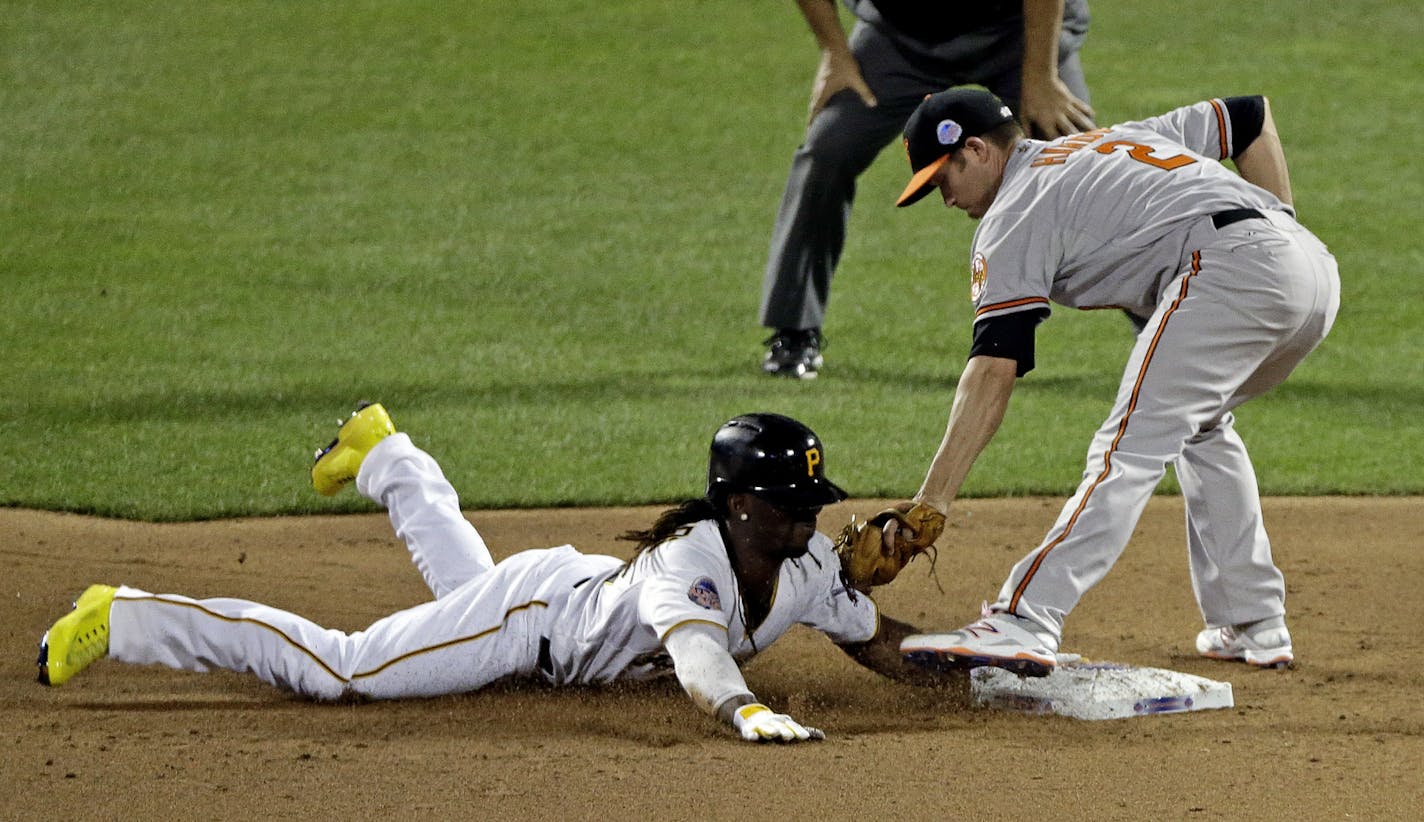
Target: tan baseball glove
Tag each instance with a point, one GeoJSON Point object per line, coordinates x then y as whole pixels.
{"type": "Point", "coordinates": [866, 559]}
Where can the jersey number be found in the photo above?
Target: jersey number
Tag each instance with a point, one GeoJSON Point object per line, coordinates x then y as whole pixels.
{"type": "Point", "coordinates": [1143, 154]}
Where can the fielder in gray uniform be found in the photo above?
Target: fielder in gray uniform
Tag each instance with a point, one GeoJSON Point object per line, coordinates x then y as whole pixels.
{"type": "Point", "coordinates": [1140, 216]}
{"type": "Point", "coordinates": [1026, 51]}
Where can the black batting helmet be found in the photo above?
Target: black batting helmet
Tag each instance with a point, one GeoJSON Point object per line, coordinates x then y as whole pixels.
{"type": "Point", "coordinates": [775, 458]}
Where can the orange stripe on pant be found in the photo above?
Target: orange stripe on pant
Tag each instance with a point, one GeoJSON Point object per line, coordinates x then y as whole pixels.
{"type": "Point", "coordinates": [1121, 429]}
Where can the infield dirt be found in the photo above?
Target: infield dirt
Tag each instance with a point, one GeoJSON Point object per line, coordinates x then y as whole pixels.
{"type": "Point", "coordinates": [1341, 736]}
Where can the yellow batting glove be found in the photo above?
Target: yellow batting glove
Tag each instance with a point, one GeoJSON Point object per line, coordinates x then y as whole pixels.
{"type": "Point", "coordinates": [757, 723]}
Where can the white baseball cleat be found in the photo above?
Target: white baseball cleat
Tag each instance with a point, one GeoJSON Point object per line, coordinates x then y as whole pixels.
{"type": "Point", "coordinates": [998, 640]}
{"type": "Point", "coordinates": [1266, 644]}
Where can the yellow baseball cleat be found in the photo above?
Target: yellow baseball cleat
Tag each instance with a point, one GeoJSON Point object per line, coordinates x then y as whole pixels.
{"type": "Point", "coordinates": [78, 638]}
{"type": "Point", "coordinates": [336, 464]}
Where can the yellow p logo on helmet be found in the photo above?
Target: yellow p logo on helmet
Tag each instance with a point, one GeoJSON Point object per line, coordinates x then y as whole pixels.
{"type": "Point", "coordinates": [765, 454]}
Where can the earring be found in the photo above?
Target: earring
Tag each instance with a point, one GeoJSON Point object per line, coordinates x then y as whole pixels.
{"type": "Point", "coordinates": [743, 517]}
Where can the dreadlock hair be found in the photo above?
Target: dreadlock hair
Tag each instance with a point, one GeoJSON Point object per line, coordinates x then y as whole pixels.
{"type": "Point", "coordinates": [675, 521]}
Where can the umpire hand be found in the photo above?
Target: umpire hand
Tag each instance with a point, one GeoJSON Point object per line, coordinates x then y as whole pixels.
{"type": "Point", "coordinates": [838, 72]}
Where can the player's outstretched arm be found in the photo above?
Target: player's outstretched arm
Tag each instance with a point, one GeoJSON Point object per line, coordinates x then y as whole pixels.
{"type": "Point", "coordinates": [1263, 162]}
{"type": "Point", "coordinates": [881, 654]}
{"type": "Point", "coordinates": [980, 401]}
{"type": "Point", "coordinates": [711, 677]}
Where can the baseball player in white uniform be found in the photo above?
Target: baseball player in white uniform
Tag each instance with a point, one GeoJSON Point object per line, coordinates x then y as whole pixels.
{"type": "Point", "coordinates": [715, 580]}
{"type": "Point", "coordinates": [1141, 216]}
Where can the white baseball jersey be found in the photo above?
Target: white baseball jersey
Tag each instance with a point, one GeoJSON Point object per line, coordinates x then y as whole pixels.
{"type": "Point", "coordinates": [1124, 217]}
{"type": "Point", "coordinates": [613, 626]}
{"type": "Point", "coordinates": [555, 614]}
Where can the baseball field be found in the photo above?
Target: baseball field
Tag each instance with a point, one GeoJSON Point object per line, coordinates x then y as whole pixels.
{"type": "Point", "coordinates": [536, 233]}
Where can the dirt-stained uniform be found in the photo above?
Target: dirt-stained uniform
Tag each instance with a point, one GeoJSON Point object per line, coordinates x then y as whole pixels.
{"type": "Point", "coordinates": [553, 614]}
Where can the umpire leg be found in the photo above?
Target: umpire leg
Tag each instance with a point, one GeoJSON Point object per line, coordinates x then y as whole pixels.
{"type": "Point", "coordinates": [841, 142]}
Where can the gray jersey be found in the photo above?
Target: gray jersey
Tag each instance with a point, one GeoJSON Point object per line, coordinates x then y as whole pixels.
{"type": "Point", "coordinates": [1234, 292]}
{"type": "Point", "coordinates": [1099, 219]}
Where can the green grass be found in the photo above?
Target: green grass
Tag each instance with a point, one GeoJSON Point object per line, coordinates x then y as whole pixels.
{"type": "Point", "coordinates": [536, 232]}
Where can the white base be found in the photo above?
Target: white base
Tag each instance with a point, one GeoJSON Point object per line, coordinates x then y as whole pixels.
{"type": "Point", "coordinates": [1081, 689]}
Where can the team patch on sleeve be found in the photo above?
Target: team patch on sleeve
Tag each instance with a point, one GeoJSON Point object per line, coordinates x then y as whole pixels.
{"type": "Point", "coordinates": [978, 276]}
{"type": "Point", "coordinates": [704, 593]}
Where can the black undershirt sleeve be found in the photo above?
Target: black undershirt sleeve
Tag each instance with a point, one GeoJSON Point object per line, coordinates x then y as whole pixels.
{"type": "Point", "coordinates": [1009, 336]}
{"type": "Point", "coordinates": [1248, 114]}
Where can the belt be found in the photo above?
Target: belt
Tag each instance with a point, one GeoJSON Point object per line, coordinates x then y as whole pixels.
{"type": "Point", "coordinates": [1222, 219]}
{"type": "Point", "coordinates": [546, 660]}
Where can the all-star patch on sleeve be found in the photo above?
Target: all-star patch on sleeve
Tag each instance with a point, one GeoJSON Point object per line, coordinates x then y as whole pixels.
{"type": "Point", "coordinates": [704, 593]}
{"type": "Point", "coordinates": [687, 580]}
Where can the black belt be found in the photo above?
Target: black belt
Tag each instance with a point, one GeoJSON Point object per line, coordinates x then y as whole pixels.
{"type": "Point", "coordinates": [546, 660]}
{"type": "Point", "coordinates": [1222, 219]}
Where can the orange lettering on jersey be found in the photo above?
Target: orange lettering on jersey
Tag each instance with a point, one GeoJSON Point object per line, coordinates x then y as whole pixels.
{"type": "Point", "coordinates": [978, 275]}
{"type": "Point", "coordinates": [813, 459]}
{"type": "Point", "coordinates": [1143, 154]}
{"type": "Point", "coordinates": [1091, 136]}
{"type": "Point", "coordinates": [1055, 153]}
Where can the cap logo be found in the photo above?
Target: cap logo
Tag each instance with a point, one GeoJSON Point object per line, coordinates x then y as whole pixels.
{"type": "Point", "coordinates": [948, 132]}
{"type": "Point", "coordinates": [813, 459]}
{"type": "Point", "coordinates": [1004, 112]}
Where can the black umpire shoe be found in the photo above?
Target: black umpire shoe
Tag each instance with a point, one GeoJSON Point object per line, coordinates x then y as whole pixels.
{"type": "Point", "coordinates": [794, 353]}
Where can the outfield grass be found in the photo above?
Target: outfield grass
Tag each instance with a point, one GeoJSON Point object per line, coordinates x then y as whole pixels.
{"type": "Point", "coordinates": [536, 232]}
